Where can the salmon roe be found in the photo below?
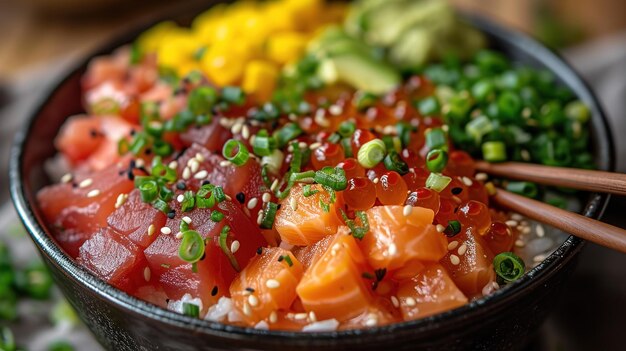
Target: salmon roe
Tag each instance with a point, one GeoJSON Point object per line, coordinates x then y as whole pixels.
{"type": "Point", "coordinates": [424, 197]}
{"type": "Point", "coordinates": [327, 155]}
{"type": "Point", "coordinates": [391, 189]}
{"type": "Point", "coordinates": [352, 168]}
{"type": "Point", "coordinates": [360, 194]}
{"type": "Point", "coordinates": [360, 137]}
{"type": "Point", "coordinates": [476, 214]}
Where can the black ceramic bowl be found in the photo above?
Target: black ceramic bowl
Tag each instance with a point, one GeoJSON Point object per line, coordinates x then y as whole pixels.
{"type": "Point", "coordinates": [501, 321]}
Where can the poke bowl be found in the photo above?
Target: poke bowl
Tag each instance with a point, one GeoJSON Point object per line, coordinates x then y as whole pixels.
{"type": "Point", "coordinates": [319, 194]}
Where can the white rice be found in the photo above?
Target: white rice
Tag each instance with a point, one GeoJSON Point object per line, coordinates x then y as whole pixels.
{"type": "Point", "coordinates": [220, 310]}
{"type": "Point", "coordinates": [177, 305]}
{"type": "Point", "coordinates": [322, 326]}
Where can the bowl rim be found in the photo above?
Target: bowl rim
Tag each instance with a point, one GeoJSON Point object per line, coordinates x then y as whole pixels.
{"type": "Point", "coordinates": [497, 300]}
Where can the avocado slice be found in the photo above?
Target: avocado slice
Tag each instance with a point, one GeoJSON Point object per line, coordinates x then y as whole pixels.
{"type": "Point", "coordinates": [360, 71]}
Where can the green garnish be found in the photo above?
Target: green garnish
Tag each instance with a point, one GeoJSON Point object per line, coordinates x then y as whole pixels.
{"type": "Point", "coordinates": [201, 101]}
{"type": "Point", "coordinates": [453, 228]}
{"type": "Point", "coordinates": [371, 153]}
{"type": "Point", "coordinates": [346, 129]}
{"type": "Point", "coordinates": [508, 266]}
{"type": "Point", "coordinates": [307, 191]}
{"type": "Point", "coordinates": [236, 152]}
{"type": "Point", "coordinates": [269, 214]}
{"type": "Point", "coordinates": [191, 247]}
{"type": "Point", "coordinates": [189, 201]}
{"type": "Point", "coordinates": [287, 133]}
{"type": "Point", "coordinates": [437, 182]}
{"type": "Point", "coordinates": [436, 160]}
{"type": "Point", "coordinates": [527, 189]}
{"type": "Point", "coordinates": [436, 139]}
{"type": "Point", "coordinates": [217, 216]}
{"type": "Point", "coordinates": [494, 151]}
{"type": "Point", "coordinates": [233, 95]}
{"type": "Point", "coordinates": [334, 178]}
{"type": "Point", "coordinates": [191, 310]}
{"type": "Point", "coordinates": [287, 259]}
{"type": "Point", "coordinates": [357, 232]}
{"type": "Point", "coordinates": [223, 245]}
{"type": "Point", "coordinates": [263, 144]}
{"type": "Point", "coordinates": [394, 162]}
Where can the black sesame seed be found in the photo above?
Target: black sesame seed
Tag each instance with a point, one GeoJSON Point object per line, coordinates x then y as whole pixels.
{"type": "Point", "coordinates": [171, 214]}
{"type": "Point", "coordinates": [214, 291]}
{"type": "Point", "coordinates": [180, 186]}
{"type": "Point", "coordinates": [259, 251]}
{"type": "Point", "coordinates": [130, 175]}
{"type": "Point", "coordinates": [456, 209]}
{"type": "Point", "coordinates": [281, 258]}
{"type": "Point", "coordinates": [241, 197]}
{"type": "Point", "coordinates": [133, 164]}
{"type": "Point", "coordinates": [74, 185]}
{"type": "Point", "coordinates": [456, 190]}
{"type": "Point", "coordinates": [94, 133]}
{"type": "Point", "coordinates": [278, 206]}
{"type": "Point", "coordinates": [148, 151]}
{"type": "Point", "coordinates": [249, 289]}
{"type": "Point", "coordinates": [206, 182]}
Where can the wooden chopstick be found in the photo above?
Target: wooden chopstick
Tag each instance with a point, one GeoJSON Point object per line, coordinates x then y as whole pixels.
{"type": "Point", "coordinates": [573, 223]}
{"type": "Point", "coordinates": [581, 179]}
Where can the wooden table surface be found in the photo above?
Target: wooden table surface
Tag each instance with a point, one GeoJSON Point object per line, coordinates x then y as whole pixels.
{"type": "Point", "coordinates": [38, 31]}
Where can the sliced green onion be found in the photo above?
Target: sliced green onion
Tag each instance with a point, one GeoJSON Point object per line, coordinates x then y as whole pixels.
{"type": "Point", "coordinates": [429, 106]}
{"type": "Point", "coordinates": [7, 340]}
{"type": "Point", "coordinates": [60, 346]}
{"type": "Point", "coordinates": [307, 176]}
{"type": "Point", "coordinates": [453, 228]}
{"type": "Point", "coordinates": [263, 144]}
{"type": "Point", "coordinates": [161, 206]}
{"type": "Point", "coordinates": [34, 281]}
{"type": "Point", "coordinates": [165, 193]}
{"type": "Point", "coordinates": [220, 196]}
{"type": "Point", "coordinates": [346, 129]}
{"type": "Point", "coordinates": [347, 147]}
{"type": "Point", "coordinates": [577, 111]}
{"type": "Point", "coordinates": [371, 153]}
{"type": "Point", "coordinates": [436, 139]}
{"type": "Point", "coordinates": [201, 100]}
{"type": "Point", "coordinates": [202, 201]}
{"type": "Point", "coordinates": [436, 160]}
{"type": "Point", "coordinates": [334, 178]}
{"type": "Point", "coordinates": [217, 216]}
{"type": "Point", "coordinates": [191, 247]}
{"type": "Point", "coordinates": [527, 189]}
{"type": "Point", "coordinates": [296, 160]}
{"type": "Point", "coordinates": [494, 151]}
{"type": "Point", "coordinates": [123, 146]}
{"type": "Point", "coordinates": [287, 133]}
{"type": "Point", "coordinates": [148, 190]}
{"type": "Point", "coordinates": [394, 162]}
{"type": "Point", "coordinates": [392, 143]}
{"type": "Point", "coordinates": [183, 227]}
{"type": "Point", "coordinates": [149, 111]}
{"type": "Point", "coordinates": [478, 127]}
{"type": "Point", "coordinates": [236, 152]}
{"type": "Point", "coordinates": [265, 176]}
{"type": "Point", "coordinates": [233, 95]}
{"type": "Point", "coordinates": [363, 100]}
{"type": "Point", "coordinates": [437, 182]}
{"type": "Point", "coordinates": [140, 141]}
{"type": "Point", "coordinates": [357, 232]}
{"type": "Point", "coordinates": [223, 245]}
{"type": "Point", "coordinates": [483, 90]}
{"type": "Point", "coordinates": [334, 138]}
{"type": "Point", "coordinates": [269, 214]}
{"type": "Point", "coordinates": [287, 259]}
{"type": "Point", "coordinates": [191, 310]}
{"type": "Point", "coordinates": [162, 148]}
{"type": "Point", "coordinates": [404, 132]}
{"type": "Point", "coordinates": [189, 201]}
{"type": "Point", "coordinates": [307, 191]}
{"type": "Point", "coordinates": [508, 266]}
{"type": "Point", "coordinates": [154, 128]}
{"type": "Point", "coordinates": [274, 161]}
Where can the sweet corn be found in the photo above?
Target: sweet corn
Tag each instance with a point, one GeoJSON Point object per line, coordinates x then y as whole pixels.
{"type": "Point", "coordinates": [286, 47]}
{"type": "Point", "coordinates": [259, 79]}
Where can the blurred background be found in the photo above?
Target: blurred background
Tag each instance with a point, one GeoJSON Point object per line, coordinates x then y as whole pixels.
{"type": "Point", "coordinates": [42, 38]}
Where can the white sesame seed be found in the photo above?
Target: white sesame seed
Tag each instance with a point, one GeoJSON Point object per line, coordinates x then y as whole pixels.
{"type": "Point", "coordinates": [252, 203]}
{"type": "Point", "coordinates": [187, 220]}
{"type": "Point", "coordinates": [376, 180]}
{"type": "Point", "coordinates": [395, 302]}
{"type": "Point", "coordinates": [201, 175]}
{"type": "Point", "coordinates": [147, 273]}
{"type": "Point", "coordinates": [166, 230]}
{"type": "Point", "coordinates": [393, 249]}
{"type": "Point", "coordinates": [93, 193]}
{"type": "Point", "coordinates": [139, 163]}
{"type": "Point", "coordinates": [234, 247]}
{"type": "Point", "coordinates": [541, 232]}
{"type": "Point", "coordinates": [440, 228]}
{"type": "Point", "coordinates": [186, 173]}
{"type": "Point", "coordinates": [335, 110]}
{"type": "Point", "coordinates": [315, 146]}
{"type": "Point", "coordinates": [462, 250]}
{"type": "Point", "coordinates": [272, 283]}
{"type": "Point", "coordinates": [266, 197]}
{"type": "Point", "coordinates": [179, 235]}
{"type": "Point", "coordinates": [253, 300]}
{"type": "Point", "coordinates": [173, 165]}
{"type": "Point", "coordinates": [516, 217]}
{"type": "Point", "coordinates": [180, 198]}
{"type": "Point", "coordinates": [85, 183]}
{"type": "Point", "coordinates": [539, 258]}
{"type": "Point", "coordinates": [371, 322]}
{"type": "Point", "coordinates": [246, 309]}
{"type": "Point", "coordinates": [293, 203]}
{"type": "Point", "coordinates": [228, 197]}
{"type": "Point", "coordinates": [312, 316]}
{"type": "Point", "coordinates": [273, 317]}
{"type": "Point", "coordinates": [320, 118]}
{"type": "Point", "coordinates": [151, 230]}
{"type": "Point", "coordinates": [525, 155]}
{"type": "Point", "coordinates": [455, 260]}
{"type": "Point", "coordinates": [67, 177]}
{"type": "Point", "coordinates": [389, 130]}
{"type": "Point", "coordinates": [300, 316]}
{"type": "Point", "coordinates": [409, 301]}
{"type": "Point", "coordinates": [526, 230]}
{"type": "Point", "coordinates": [274, 185]}
{"type": "Point", "coordinates": [407, 210]}
{"type": "Point", "coordinates": [481, 176]}
{"type": "Point", "coordinates": [445, 128]}
{"type": "Point", "coordinates": [452, 245]}
{"type": "Point", "coordinates": [225, 163]}
{"type": "Point", "coordinates": [259, 218]}
{"type": "Point", "coordinates": [121, 199]}
{"type": "Point", "coordinates": [194, 165]}
{"type": "Point", "coordinates": [225, 122]}
{"type": "Point", "coordinates": [245, 132]}
{"type": "Point", "coordinates": [520, 243]}
{"type": "Point", "coordinates": [467, 181]}
{"type": "Point", "coordinates": [236, 128]}
{"type": "Point", "coordinates": [511, 223]}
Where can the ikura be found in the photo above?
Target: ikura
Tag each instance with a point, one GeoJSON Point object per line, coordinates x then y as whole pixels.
{"type": "Point", "coordinates": [460, 163]}
{"type": "Point", "coordinates": [360, 194]}
{"type": "Point", "coordinates": [424, 197]}
{"type": "Point", "coordinates": [391, 189]}
{"type": "Point", "coordinates": [328, 154]}
{"type": "Point", "coordinates": [455, 188]}
{"type": "Point", "coordinates": [500, 238]}
{"type": "Point", "coordinates": [476, 214]}
{"type": "Point", "coordinates": [412, 159]}
{"type": "Point", "coordinates": [360, 137]}
{"type": "Point", "coordinates": [446, 212]}
{"type": "Point", "coordinates": [352, 168]}
{"type": "Point", "coordinates": [416, 178]}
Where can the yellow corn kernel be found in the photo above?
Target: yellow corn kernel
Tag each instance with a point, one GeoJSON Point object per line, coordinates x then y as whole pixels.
{"type": "Point", "coordinates": [151, 39]}
{"type": "Point", "coordinates": [260, 79]}
{"type": "Point", "coordinates": [307, 12]}
{"type": "Point", "coordinates": [224, 62]}
{"type": "Point", "coordinates": [286, 47]}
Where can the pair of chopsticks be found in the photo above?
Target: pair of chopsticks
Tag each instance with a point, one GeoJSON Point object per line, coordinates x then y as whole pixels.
{"type": "Point", "coordinates": [573, 223]}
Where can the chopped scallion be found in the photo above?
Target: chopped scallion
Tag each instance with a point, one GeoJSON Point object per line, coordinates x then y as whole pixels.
{"type": "Point", "coordinates": [437, 182]}
{"type": "Point", "coordinates": [236, 152]}
{"type": "Point", "coordinates": [371, 153]}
